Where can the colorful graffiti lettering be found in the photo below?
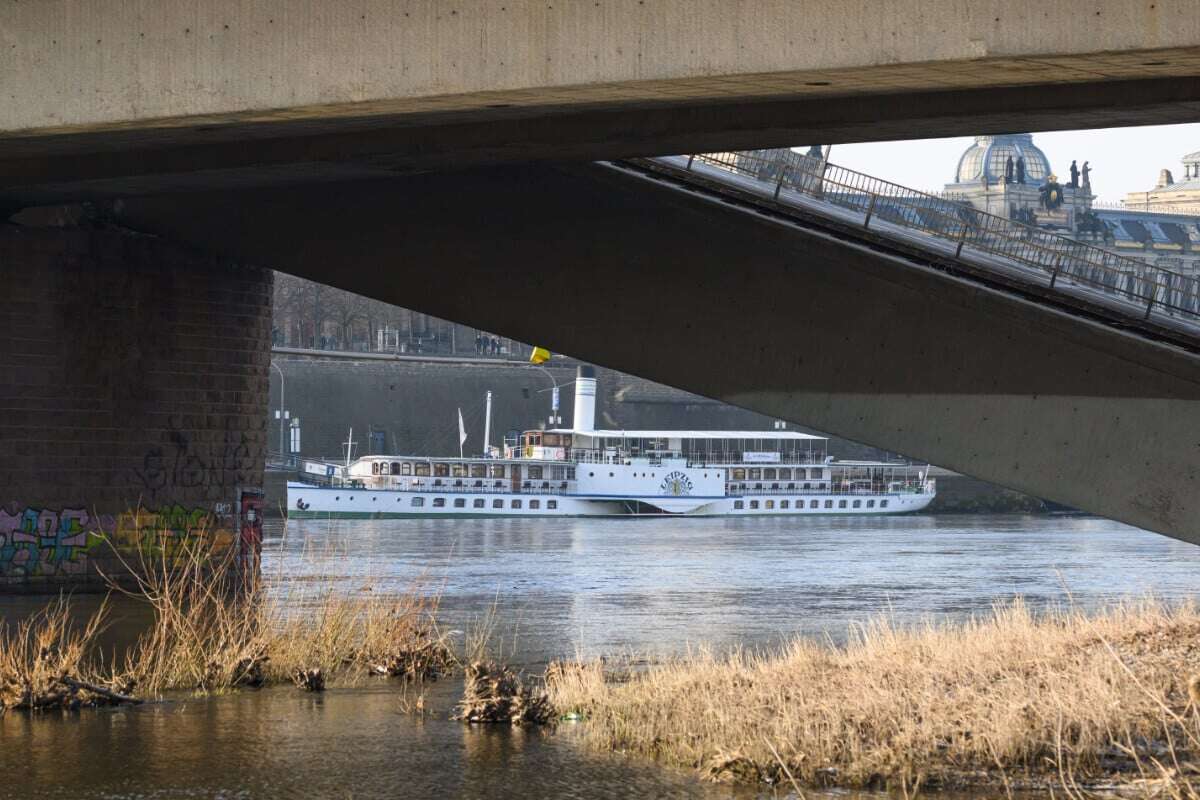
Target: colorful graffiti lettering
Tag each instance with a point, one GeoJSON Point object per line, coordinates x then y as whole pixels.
{"type": "Point", "coordinates": [45, 542]}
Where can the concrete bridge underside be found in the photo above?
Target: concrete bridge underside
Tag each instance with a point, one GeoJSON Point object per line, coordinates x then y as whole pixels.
{"type": "Point", "coordinates": [788, 320]}
{"type": "Point", "coordinates": [128, 96]}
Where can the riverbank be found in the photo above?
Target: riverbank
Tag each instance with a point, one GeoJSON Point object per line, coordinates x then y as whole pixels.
{"type": "Point", "coordinates": [1012, 701]}
{"type": "Point", "coordinates": [213, 627]}
{"type": "Point", "coordinates": [582, 588]}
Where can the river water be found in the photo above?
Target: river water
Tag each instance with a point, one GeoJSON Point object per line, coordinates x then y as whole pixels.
{"type": "Point", "coordinates": [649, 587]}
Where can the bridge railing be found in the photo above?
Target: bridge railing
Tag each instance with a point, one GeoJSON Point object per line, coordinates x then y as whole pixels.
{"type": "Point", "coordinates": [974, 236]}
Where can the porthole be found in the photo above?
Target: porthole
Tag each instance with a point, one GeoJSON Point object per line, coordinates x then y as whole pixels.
{"type": "Point", "coordinates": [338, 497]}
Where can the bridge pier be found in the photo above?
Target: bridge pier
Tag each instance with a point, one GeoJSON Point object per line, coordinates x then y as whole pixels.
{"type": "Point", "coordinates": [133, 385]}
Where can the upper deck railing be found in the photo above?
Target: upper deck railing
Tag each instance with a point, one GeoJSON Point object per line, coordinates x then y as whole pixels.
{"type": "Point", "coordinates": [953, 228]}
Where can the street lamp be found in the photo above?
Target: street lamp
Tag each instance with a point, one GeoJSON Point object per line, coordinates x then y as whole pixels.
{"type": "Point", "coordinates": [281, 415]}
{"type": "Point", "coordinates": [555, 419]}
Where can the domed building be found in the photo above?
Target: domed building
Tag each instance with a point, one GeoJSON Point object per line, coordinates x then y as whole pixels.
{"type": "Point", "coordinates": [1159, 227]}
{"type": "Point", "coordinates": [990, 154]}
{"type": "Point", "coordinates": [1007, 175]}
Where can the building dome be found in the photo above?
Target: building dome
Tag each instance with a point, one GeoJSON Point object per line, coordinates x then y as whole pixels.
{"type": "Point", "coordinates": [992, 153]}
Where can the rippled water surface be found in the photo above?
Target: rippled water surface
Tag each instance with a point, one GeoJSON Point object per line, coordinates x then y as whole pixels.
{"type": "Point", "coordinates": [596, 586]}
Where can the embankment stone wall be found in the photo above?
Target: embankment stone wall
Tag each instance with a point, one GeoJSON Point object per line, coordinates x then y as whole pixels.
{"type": "Point", "coordinates": [133, 386]}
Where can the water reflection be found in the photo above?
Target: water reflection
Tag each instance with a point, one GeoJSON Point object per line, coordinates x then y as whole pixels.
{"type": "Point", "coordinates": [602, 586]}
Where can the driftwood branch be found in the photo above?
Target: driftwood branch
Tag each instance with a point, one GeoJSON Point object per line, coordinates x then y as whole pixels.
{"type": "Point", "coordinates": [116, 697]}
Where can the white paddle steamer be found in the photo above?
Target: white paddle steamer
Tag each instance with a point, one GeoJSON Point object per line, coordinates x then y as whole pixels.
{"type": "Point", "coordinates": [582, 472]}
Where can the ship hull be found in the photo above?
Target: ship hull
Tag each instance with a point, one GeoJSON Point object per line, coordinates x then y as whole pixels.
{"type": "Point", "coordinates": [306, 501]}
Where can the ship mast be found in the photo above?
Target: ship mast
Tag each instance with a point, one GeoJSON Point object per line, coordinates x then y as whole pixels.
{"type": "Point", "coordinates": [487, 425]}
{"type": "Point", "coordinates": [349, 447]}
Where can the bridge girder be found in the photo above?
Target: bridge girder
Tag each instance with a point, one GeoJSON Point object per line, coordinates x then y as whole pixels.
{"type": "Point", "coordinates": [790, 321]}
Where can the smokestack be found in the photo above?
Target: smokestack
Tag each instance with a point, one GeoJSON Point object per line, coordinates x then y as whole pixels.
{"type": "Point", "coordinates": [585, 399]}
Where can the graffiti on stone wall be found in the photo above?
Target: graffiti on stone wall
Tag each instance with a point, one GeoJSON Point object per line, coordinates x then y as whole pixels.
{"type": "Point", "coordinates": [47, 542]}
{"type": "Point", "coordinates": [41, 541]}
{"type": "Point", "coordinates": [183, 466]}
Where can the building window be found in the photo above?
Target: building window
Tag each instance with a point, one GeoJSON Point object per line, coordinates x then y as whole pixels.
{"type": "Point", "coordinates": [497, 470]}
{"type": "Point", "coordinates": [479, 470]}
{"type": "Point", "coordinates": [754, 504]}
{"type": "Point", "coordinates": [439, 502]}
{"type": "Point", "coordinates": [814, 504]}
{"type": "Point", "coordinates": [460, 502]}
{"type": "Point", "coordinates": [783, 503]}
{"type": "Point", "coordinates": [808, 486]}
{"type": "Point", "coordinates": [785, 474]}
{"type": "Point", "coordinates": [418, 501]}
{"type": "Point", "coordinates": [769, 474]}
{"type": "Point", "coordinates": [738, 474]}
{"type": "Point", "coordinates": [841, 503]}
{"type": "Point", "coordinates": [441, 470]}
{"type": "Point", "coordinates": [755, 474]}
{"type": "Point", "coordinates": [858, 503]}
{"type": "Point", "coordinates": [516, 504]}
{"type": "Point", "coordinates": [829, 503]}
{"type": "Point", "coordinates": [459, 470]}
{"type": "Point", "coordinates": [478, 503]}
{"type": "Point", "coordinates": [421, 470]}
{"type": "Point", "coordinates": [883, 503]}
{"type": "Point", "coordinates": [374, 468]}
{"type": "Point", "coordinates": [739, 504]}
{"type": "Point", "coordinates": [570, 473]}
{"type": "Point", "coordinates": [497, 503]}
{"type": "Point", "coordinates": [770, 504]}
{"type": "Point", "coordinates": [870, 504]}
{"type": "Point", "coordinates": [535, 471]}
{"type": "Point", "coordinates": [535, 504]}
{"type": "Point", "coordinates": [406, 468]}
{"type": "Point", "coordinates": [815, 474]}
{"type": "Point", "coordinates": [551, 504]}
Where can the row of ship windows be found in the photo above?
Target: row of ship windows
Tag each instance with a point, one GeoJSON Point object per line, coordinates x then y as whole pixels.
{"type": "Point", "coordinates": [426, 469]}
{"type": "Point", "coordinates": [770, 504]}
{"type": "Point", "coordinates": [771, 473]}
{"type": "Point", "coordinates": [478, 502]}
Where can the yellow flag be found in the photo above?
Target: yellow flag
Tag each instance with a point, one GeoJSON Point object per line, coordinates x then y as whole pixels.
{"type": "Point", "coordinates": [539, 355]}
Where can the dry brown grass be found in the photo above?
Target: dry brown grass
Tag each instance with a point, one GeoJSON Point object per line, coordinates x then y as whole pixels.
{"type": "Point", "coordinates": [217, 627]}
{"type": "Point", "coordinates": [45, 662]}
{"type": "Point", "coordinates": [1012, 700]}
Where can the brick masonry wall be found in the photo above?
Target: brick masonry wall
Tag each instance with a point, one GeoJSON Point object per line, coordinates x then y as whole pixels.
{"type": "Point", "coordinates": [133, 388]}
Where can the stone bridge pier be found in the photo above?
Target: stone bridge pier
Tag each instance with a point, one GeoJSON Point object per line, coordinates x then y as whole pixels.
{"type": "Point", "coordinates": [131, 403]}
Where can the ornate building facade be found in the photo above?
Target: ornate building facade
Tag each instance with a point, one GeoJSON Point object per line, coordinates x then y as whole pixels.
{"type": "Point", "coordinates": [1008, 176]}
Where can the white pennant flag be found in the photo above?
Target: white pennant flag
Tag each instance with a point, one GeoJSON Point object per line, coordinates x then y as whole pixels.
{"type": "Point", "coordinates": [462, 433]}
